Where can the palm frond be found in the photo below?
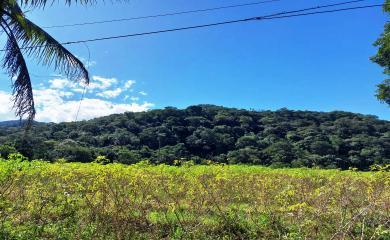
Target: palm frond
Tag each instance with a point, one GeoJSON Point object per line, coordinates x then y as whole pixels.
{"type": "Point", "coordinates": [43, 3]}
{"type": "Point", "coordinates": [14, 63]}
{"type": "Point", "coordinates": [36, 42]}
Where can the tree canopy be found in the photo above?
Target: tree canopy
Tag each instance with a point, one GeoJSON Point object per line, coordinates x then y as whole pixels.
{"type": "Point", "coordinates": [382, 58]}
{"type": "Point", "coordinates": [207, 132]}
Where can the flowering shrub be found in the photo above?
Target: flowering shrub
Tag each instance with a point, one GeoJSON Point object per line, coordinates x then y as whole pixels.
{"type": "Point", "coordinates": [40, 200]}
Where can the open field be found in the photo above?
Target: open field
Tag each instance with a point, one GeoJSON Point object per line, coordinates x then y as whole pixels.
{"type": "Point", "coordinates": [41, 200]}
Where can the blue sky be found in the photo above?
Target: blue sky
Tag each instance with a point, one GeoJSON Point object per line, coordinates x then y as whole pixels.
{"type": "Point", "coordinates": [318, 63]}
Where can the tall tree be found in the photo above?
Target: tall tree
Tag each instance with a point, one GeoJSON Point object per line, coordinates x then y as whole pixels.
{"type": "Point", "coordinates": [24, 38]}
{"type": "Point", "coordinates": [382, 58]}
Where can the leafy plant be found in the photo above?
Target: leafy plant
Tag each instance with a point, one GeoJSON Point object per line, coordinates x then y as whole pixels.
{"type": "Point", "coordinates": [39, 200]}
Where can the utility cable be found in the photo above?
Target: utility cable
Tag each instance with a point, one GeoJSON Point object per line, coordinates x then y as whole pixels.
{"type": "Point", "coordinates": [163, 14]}
{"type": "Point", "coordinates": [284, 14]}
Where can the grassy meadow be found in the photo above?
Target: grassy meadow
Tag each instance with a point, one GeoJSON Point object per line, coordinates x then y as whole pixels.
{"type": "Point", "coordinates": [40, 200]}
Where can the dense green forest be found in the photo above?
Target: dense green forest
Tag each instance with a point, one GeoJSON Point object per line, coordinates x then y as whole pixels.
{"type": "Point", "coordinates": [207, 132]}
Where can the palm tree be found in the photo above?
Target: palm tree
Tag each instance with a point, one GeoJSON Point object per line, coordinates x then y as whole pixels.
{"type": "Point", "coordinates": [24, 38]}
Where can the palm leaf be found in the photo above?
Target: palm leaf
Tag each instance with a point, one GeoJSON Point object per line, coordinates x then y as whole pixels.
{"type": "Point", "coordinates": [14, 63]}
{"type": "Point", "coordinates": [36, 42]}
{"type": "Point", "coordinates": [43, 3]}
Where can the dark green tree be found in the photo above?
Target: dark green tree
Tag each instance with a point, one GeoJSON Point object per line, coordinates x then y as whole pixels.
{"type": "Point", "coordinates": [6, 150]}
{"type": "Point", "coordinates": [281, 139]}
{"type": "Point", "coordinates": [382, 58]}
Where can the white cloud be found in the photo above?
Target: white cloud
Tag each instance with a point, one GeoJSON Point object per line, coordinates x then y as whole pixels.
{"type": "Point", "coordinates": [52, 106]}
{"type": "Point", "coordinates": [89, 108]}
{"type": "Point", "coordinates": [47, 97]}
{"type": "Point", "coordinates": [102, 83]}
{"type": "Point", "coordinates": [59, 102]}
{"type": "Point", "coordinates": [132, 98]}
{"type": "Point", "coordinates": [87, 62]}
{"type": "Point", "coordinates": [97, 83]}
{"type": "Point", "coordinates": [78, 90]}
{"type": "Point", "coordinates": [66, 94]}
{"type": "Point", "coordinates": [143, 93]}
{"type": "Point", "coordinates": [6, 112]}
{"type": "Point", "coordinates": [129, 84]}
{"type": "Point", "coordinates": [110, 93]}
{"type": "Point", "coordinates": [60, 83]}
{"type": "Point", "coordinates": [90, 63]}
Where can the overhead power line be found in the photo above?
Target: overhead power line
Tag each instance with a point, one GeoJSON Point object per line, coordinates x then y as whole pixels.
{"type": "Point", "coordinates": [179, 13]}
{"type": "Point", "coordinates": [288, 14]}
{"type": "Point", "coordinates": [322, 12]}
{"type": "Point", "coordinates": [85, 86]}
{"type": "Point", "coordinates": [165, 14]}
{"type": "Point", "coordinates": [285, 14]}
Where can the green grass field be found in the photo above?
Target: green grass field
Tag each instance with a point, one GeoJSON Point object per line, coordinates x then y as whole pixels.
{"type": "Point", "coordinates": [41, 200]}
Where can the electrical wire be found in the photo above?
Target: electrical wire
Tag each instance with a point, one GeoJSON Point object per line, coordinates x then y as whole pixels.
{"type": "Point", "coordinates": [164, 14]}
{"type": "Point", "coordinates": [259, 18]}
{"type": "Point", "coordinates": [287, 14]}
{"type": "Point", "coordinates": [322, 12]}
{"type": "Point", "coordinates": [85, 86]}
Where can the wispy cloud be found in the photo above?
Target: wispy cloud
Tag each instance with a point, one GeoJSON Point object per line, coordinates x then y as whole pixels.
{"type": "Point", "coordinates": [101, 83]}
{"type": "Point", "coordinates": [134, 98]}
{"type": "Point", "coordinates": [110, 93]}
{"type": "Point", "coordinates": [129, 84]}
{"type": "Point", "coordinates": [143, 93]}
{"type": "Point", "coordinates": [87, 62]}
{"type": "Point", "coordinates": [6, 112]}
{"type": "Point", "coordinates": [60, 83]}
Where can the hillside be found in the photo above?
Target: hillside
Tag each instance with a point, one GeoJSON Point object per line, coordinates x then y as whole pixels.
{"type": "Point", "coordinates": [206, 132]}
{"type": "Point", "coordinates": [17, 123]}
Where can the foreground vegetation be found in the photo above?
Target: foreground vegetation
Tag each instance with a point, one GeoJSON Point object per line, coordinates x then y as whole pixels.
{"type": "Point", "coordinates": [224, 135]}
{"type": "Point", "coordinates": [40, 200]}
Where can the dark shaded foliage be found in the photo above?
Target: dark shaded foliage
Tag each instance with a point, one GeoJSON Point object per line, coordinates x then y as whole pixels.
{"type": "Point", "coordinates": [281, 138]}
{"type": "Point", "coordinates": [382, 58]}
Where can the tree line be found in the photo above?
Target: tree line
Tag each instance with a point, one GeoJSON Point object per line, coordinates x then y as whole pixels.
{"type": "Point", "coordinates": [281, 138]}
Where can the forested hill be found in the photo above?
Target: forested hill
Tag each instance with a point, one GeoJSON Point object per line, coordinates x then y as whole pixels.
{"type": "Point", "coordinates": [207, 132]}
{"type": "Point", "coordinates": [16, 123]}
